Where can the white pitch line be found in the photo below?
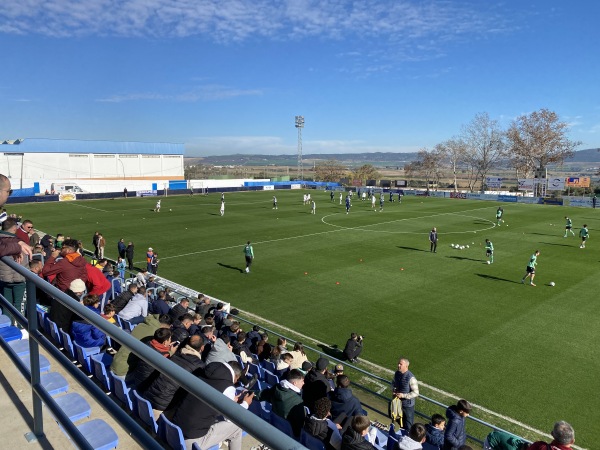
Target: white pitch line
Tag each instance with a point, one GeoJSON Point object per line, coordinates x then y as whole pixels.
{"type": "Point", "coordinates": [89, 207]}
{"type": "Point", "coordinates": [391, 372]}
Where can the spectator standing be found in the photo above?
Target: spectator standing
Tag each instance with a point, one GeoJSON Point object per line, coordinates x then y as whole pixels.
{"type": "Point", "coordinates": [121, 247]}
{"type": "Point", "coordinates": [129, 255]}
{"type": "Point", "coordinates": [435, 431]}
{"type": "Point", "coordinates": [564, 438]}
{"type": "Point", "coordinates": [154, 263]}
{"type": "Point", "coordinates": [25, 231]}
{"type": "Point", "coordinates": [70, 266]}
{"type": "Point", "coordinates": [406, 388]}
{"type": "Point", "coordinates": [101, 245]}
{"type": "Point", "coordinates": [12, 284]}
{"type": "Point", "coordinates": [95, 243]}
{"type": "Point", "coordinates": [121, 266]}
{"type": "Point", "coordinates": [316, 384]}
{"type": "Point", "coordinates": [433, 239]}
{"type": "Point", "coordinates": [455, 435]}
{"type": "Point", "coordinates": [149, 255]}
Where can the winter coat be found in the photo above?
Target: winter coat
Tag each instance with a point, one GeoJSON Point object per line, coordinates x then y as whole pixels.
{"type": "Point", "coordinates": [220, 353]}
{"type": "Point", "coordinates": [163, 389]}
{"type": "Point", "coordinates": [96, 284]}
{"type": "Point", "coordinates": [343, 402]}
{"type": "Point", "coordinates": [86, 334]}
{"type": "Point", "coordinates": [9, 246]}
{"type": "Point", "coordinates": [144, 373]}
{"type": "Point", "coordinates": [122, 300]}
{"type": "Point", "coordinates": [435, 436]}
{"type": "Point", "coordinates": [351, 440]}
{"type": "Point", "coordinates": [455, 434]}
{"type": "Point", "coordinates": [316, 386]}
{"type": "Point", "coordinates": [406, 443]}
{"type": "Point", "coordinates": [67, 269]}
{"type": "Point", "coordinates": [137, 306]}
{"type": "Point", "coordinates": [9, 242]}
{"type": "Point", "coordinates": [124, 359]}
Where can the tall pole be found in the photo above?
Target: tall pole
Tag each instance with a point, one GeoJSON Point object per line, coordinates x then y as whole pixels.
{"type": "Point", "coordinates": [300, 125]}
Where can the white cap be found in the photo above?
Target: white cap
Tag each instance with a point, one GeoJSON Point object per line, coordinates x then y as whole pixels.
{"type": "Point", "coordinates": [149, 248]}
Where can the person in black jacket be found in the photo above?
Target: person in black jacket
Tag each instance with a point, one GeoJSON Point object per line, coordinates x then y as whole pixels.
{"type": "Point", "coordinates": [455, 435]}
{"type": "Point", "coordinates": [129, 254]}
{"type": "Point", "coordinates": [162, 392]}
{"type": "Point", "coordinates": [343, 402]}
{"type": "Point", "coordinates": [144, 374]}
{"type": "Point", "coordinates": [355, 436]}
{"type": "Point", "coordinates": [316, 384]}
{"type": "Point", "coordinates": [180, 309]}
{"type": "Point", "coordinates": [321, 427]}
{"type": "Point", "coordinates": [124, 297]}
{"type": "Point", "coordinates": [353, 347]}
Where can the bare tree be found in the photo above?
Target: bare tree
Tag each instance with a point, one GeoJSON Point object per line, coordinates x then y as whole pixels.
{"type": "Point", "coordinates": [330, 170]}
{"type": "Point", "coordinates": [427, 165]}
{"type": "Point", "coordinates": [485, 146]}
{"type": "Point", "coordinates": [365, 172]}
{"type": "Point", "coordinates": [537, 139]}
{"type": "Point", "coordinates": [454, 151]}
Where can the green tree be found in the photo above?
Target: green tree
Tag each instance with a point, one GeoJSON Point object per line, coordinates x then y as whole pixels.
{"type": "Point", "coordinates": [365, 172]}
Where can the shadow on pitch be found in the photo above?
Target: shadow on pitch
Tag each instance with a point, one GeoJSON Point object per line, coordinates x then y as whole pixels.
{"type": "Point", "coordinates": [491, 277]}
{"type": "Point", "coordinates": [226, 266]}
{"type": "Point", "coordinates": [413, 249]}
{"type": "Point", "coordinates": [560, 245]}
{"type": "Point", "coordinates": [465, 258]}
{"type": "Point", "coordinates": [332, 351]}
{"type": "Point", "coordinates": [545, 234]}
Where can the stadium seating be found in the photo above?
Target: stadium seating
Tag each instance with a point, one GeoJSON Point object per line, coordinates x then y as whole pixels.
{"type": "Point", "coordinates": [100, 368]}
{"type": "Point", "coordinates": [121, 391]}
{"type": "Point", "coordinates": [74, 406]}
{"type": "Point", "coordinates": [5, 321]}
{"type": "Point", "coordinates": [170, 433]}
{"type": "Point", "coordinates": [54, 333]}
{"type": "Point", "coordinates": [144, 410]}
{"type": "Point", "coordinates": [84, 354]}
{"type": "Point", "coordinates": [270, 378]}
{"type": "Point", "coordinates": [68, 346]}
{"type": "Point", "coordinates": [99, 434]}
{"type": "Point", "coordinates": [254, 369]}
{"type": "Point", "coordinates": [44, 363]}
{"type": "Point", "coordinates": [268, 365]}
{"type": "Point", "coordinates": [20, 346]}
{"type": "Point", "coordinates": [281, 424]}
{"type": "Point", "coordinates": [54, 383]}
{"type": "Point", "coordinates": [10, 333]}
{"type": "Point", "coordinates": [311, 442]}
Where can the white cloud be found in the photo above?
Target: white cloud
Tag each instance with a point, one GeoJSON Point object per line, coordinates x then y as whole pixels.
{"type": "Point", "coordinates": [200, 93]}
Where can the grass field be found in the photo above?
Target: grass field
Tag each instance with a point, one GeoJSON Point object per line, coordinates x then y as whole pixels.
{"type": "Point", "coordinates": [472, 329]}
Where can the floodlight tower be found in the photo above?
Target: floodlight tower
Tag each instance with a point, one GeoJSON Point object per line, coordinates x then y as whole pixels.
{"type": "Point", "coordinates": [300, 125]}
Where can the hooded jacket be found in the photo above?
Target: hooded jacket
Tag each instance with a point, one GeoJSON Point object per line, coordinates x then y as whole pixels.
{"type": "Point", "coordinates": [124, 358]}
{"type": "Point", "coordinates": [316, 386]}
{"type": "Point", "coordinates": [406, 443]}
{"type": "Point", "coordinates": [455, 434]}
{"type": "Point", "coordinates": [435, 436]}
{"type": "Point", "coordinates": [351, 440]}
{"type": "Point", "coordinates": [86, 334]}
{"type": "Point", "coordinates": [344, 402]}
{"type": "Point", "coordinates": [66, 269]}
{"type": "Point", "coordinates": [10, 242]}
{"type": "Point", "coordinates": [220, 353]}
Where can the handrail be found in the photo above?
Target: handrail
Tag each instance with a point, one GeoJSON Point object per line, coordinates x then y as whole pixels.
{"type": "Point", "coordinates": [201, 390]}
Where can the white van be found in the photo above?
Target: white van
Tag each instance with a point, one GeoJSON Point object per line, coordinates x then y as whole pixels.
{"type": "Point", "coordinates": [61, 188]}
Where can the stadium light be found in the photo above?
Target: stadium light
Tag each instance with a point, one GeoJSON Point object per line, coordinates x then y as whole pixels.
{"type": "Point", "coordinates": [300, 125]}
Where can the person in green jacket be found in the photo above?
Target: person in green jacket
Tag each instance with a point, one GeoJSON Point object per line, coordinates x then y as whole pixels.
{"type": "Point", "coordinates": [489, 250]}
{"type": "Point", "coordinates": [500, 440]}
{"type": "Point", "coordinates": [249, 254]}
{"type": "Point", "coordinates": [584, 234]}
{"type": "Point", "coordinates": [124, 361]}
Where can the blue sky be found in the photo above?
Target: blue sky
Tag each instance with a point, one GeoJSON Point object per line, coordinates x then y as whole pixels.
{"type": "Point", "coordinates": [229, 76]}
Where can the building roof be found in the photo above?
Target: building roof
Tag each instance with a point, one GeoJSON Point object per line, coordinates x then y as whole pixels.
{"type": "Point", "coordinates": [84, 147]}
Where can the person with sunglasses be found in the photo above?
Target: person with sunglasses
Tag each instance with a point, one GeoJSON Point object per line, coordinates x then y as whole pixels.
{"type": "Point", "coordinates": [10, 246]}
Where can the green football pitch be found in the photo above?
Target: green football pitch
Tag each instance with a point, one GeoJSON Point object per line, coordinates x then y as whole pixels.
{"type": "Point", "coordinates": [469, 328]}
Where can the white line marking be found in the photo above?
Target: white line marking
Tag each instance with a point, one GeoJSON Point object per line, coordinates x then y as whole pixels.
{"type": "Point", "coordinates": [391, 372]}
{"type": "Point", "coordinates": [84, 206]}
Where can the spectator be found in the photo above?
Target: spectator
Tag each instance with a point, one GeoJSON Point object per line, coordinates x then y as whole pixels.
{"type": "Point", "coordinates": [154, 263]}
{"type": "Point", "coordinates": [203, 305]}
{"type": "Point", "coordinates": [208, 337]}
{"type": "Point", "coordinates": [122, 300]}
{"type": "Point", "coordinates": [121, 247]}
{"type": "Point", "coordinates": [316, 385]}
{"type": "Point", "coordinates": [12, 284]}
{"type": "Point", "coordinates": [220, 351]}
{"type": "Point", "coordinates": [564, 438]}
{"type": "Point", "coordinates": [298, 356]}
{"type": "Point", "coordinates": [406, 388]}
{"type": "Point", "coordinates": [129, 252]}
{"type": "Point", "coordinates": [83, 332]}
{"type": "Point", "coordinates": [144, 373]}
{"type": "Point", "coordinates": [240, 347]}
{"type": "Point", "coordinates": [109, 313]}
{"type": "Point", "coordinates": [25, 231]}
{"type": "Point", "coordinates": [282, 345]}
{"type": "Point", "coordinates": [286, 398]}
{"type": "Point", "coordinates": [121, 266]}
{"type": "Point", "coordinates": [47, 243]}
{"type": "Point", "coordinates": [116, 286]}
{"type": "Point", "coordinates": [136, 309]}
{"type": "Point", "coordinates": [455, 434]}
{"type": "Point", "coordinates": [124, 360]}
{"type": "Point", "coordinates": [435, 431]}
{"type": "Point", "coordinates": [355, 437]}
{"type": "Point", "coordinates": [151, 283]}
{"type": "Point", "coordinates": [101, 264]}
{"type": "Point", "coordinates": [253, 336]}
{"type": "Point", "coordinates": [320, 426]}
{"type": "Point", "coordinates": [196, 324]}
{"type": "Point", "coordinates": [204, 426]}
{"type": "Point", "coordinates": [141, 278]}
{"type": "Point", "coordinates": [343, 402]}
{"type": "Point", "coordinates": [181, 327]}
{"type": "Point", "coordinates": [220, 315]}
{"type": "Point", "coordinates": [160, 306]}
{"type": "Point", "coordinates": [180, 309]}
{"type": "Point", "coordinates": [263, 348]}
{"type": "Point", "coordinates": [415, 438]}
{"type": "Point", "coordinates": [95, 243]}
{"type": "Point", "coordinates": [161, 393]}
{"type": "Point", "coordinates": [70, 266]}
{"type": "Point", "coordinates": [59, 313]}
{"type": "Point", "coordinates": [500, 440]}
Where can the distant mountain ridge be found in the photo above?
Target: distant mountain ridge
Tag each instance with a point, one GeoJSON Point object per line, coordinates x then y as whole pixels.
{"type": "Point", "coordinates": [377, 158]}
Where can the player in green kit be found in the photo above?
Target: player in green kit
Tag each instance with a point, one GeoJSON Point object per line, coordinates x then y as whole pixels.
{"type": "Point", "coordinates": [499, 213]}
{"type": "Point", "coordinates": [249, 255]}
{"type": "Point", "coordinates": [584, 234]}
{"type": "Point", "coordinates": [489, 250]}
{"type": "Point", "coordinates": [568, 226]}
{"type": "Point", "coordinates": [530, 271]}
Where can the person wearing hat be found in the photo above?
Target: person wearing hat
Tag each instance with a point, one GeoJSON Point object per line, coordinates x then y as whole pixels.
{"type": "Point", "coordinates": [59, 313]}
{"type": "Point", "coordinates": [316, 384]}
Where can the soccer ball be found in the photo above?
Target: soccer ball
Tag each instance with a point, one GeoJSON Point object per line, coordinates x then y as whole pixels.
{"type": "Point", "coordinates": [467, 246]}
{"type": "Point", "coordinates": [552, 283]}
{"type": "Point", "coordinates": [488, 262]}
{"type": "Point", "coordinates": [170, 209]}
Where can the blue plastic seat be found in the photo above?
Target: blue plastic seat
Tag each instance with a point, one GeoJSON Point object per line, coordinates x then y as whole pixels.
{"type": "Point", "coordinates": [100, 367]}
{"type": "Point", "coordinates": [268, 365]}
{"type": "Point", "coordinates": [311, 442]}
{"type": "Point", "coordinates": [68, 345]}
{"type": "Point", "coordinates": [281, 424]}
{"type": "Point", "coordinates": [5, 321]}
{"type": "Point", "coordinates": [428, 446]}
{"type": "Point", "coordinates": [20, 346]}
{"type": "Point", "coordinates": [261, 409]}
{"type": "Point", "coordinates": [54, 333]}
{"type": "Point", "coordinates": [54, 383]}
{"type": "Point", "coordinates": [270, 378]}
{"type": "Point", "coordinates": [99, 434]}
{"type": "Point", "coordinates": [74, 406]}
{"type": "Point", "coordinates": [44, 363]}
{"type": "Point", "coordinates": [41, 315]}
{"type": "Point", "coordinates": [170, 433]}
{"type": "Point", "coordinates": [144, 410]}
{"type": "Point", "coordinates": [239, 359]}
{"type": "Point", "coordinates": [254, 369]}
{"type": "Point", "coordinates": [10, 333]}
{"type": "Point", "coordinates": [121, 391]}
{"type": "Point", "coordinates": [84, 354]}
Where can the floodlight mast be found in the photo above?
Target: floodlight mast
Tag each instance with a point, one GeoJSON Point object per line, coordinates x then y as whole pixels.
{"type": "Point", "coordinates": [300, 125]}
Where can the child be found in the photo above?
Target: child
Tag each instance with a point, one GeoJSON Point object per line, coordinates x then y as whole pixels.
{"type": "Point", "coordinates": [435, 431]}
{"type": "Point", "coordinates": [109, 313]}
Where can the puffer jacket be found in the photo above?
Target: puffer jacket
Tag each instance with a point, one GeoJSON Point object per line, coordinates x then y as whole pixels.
{"type": "Point", "coordinates": [85, 334]}
{"type": "Point", "coordinates": [9, 245]}
{"type": "Point", "coordinates": [455, 434]}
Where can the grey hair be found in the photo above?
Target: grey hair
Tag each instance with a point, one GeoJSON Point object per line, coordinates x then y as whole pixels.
{"type": "Point", "coordinates": [563, 433]}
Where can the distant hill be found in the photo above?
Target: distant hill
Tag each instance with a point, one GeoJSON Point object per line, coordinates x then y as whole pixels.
{"type": "Point", "coordinates": [348, 159]}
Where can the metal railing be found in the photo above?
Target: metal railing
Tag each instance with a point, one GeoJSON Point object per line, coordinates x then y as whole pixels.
{"type": "Point", "coordinates": [251, 423]}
